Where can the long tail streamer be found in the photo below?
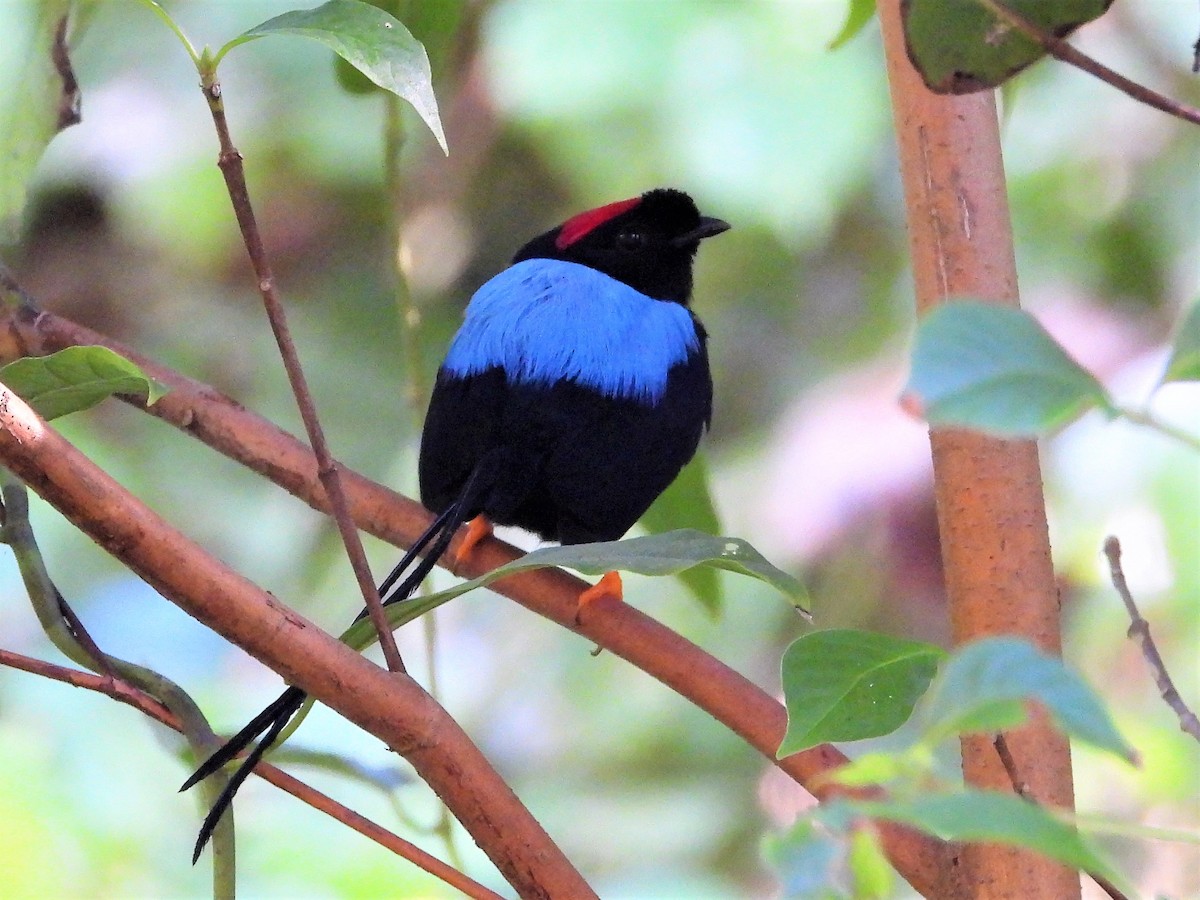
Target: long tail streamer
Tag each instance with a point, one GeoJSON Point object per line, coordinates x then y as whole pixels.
{"type": "Point", "coordinates": [271, 721]}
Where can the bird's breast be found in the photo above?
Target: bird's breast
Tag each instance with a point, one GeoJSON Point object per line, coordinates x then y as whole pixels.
{"type": "Point", "coordinates": [544, 321]}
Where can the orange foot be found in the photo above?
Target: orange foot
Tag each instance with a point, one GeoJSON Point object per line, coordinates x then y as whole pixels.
{"type": "Point", "coordinates": [477, 529]}
{"type": "Point", "coordinates": [609, 586]}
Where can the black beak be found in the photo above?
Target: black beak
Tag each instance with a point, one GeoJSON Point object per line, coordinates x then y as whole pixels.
{"type": "Point", "coordinates": [707, 228]}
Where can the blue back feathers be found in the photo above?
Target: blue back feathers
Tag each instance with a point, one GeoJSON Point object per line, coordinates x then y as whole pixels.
{"type": "Point", "coordinates": [543, 321]}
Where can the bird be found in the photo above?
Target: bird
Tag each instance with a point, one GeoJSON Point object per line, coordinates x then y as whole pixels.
{"type": "Point", "coordinates": [573, 393]}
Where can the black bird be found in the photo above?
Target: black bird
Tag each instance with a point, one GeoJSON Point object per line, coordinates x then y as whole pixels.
{"type": "Point", "coordinates": [576, 389]}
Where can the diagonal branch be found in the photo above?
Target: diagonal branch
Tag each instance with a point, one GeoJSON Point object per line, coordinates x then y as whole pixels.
{"type": "Point", "coordinates": [242, 435]}
{"type": "Point", "coordinates": [126, 693]}
{"type": "Point", "coordinates": [388, 705]}
{"type": "Point", "coordinates": [230, 164]}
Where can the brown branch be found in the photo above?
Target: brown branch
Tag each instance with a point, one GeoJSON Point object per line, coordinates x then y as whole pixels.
{"type": "Point", "coordinates": [741, 706]}
{"type": "Point", "coordinates": [123, 691]}
{"type": "Point", "coordinates": [1064, 52]}
{"type": "Point", "coordinates": [990, 509]}
{"type": "Point", "coordinates": [1139, 630]}
{"type": "Point", "coordinates": [390, 706]}
{"type": "Point", "coordinates": [230, 163]}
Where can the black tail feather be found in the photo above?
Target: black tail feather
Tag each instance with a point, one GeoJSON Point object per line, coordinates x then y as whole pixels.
{"type": "Point", "coordinates": [272, 720]}
{"type": "Point", "coordinates": [225, 798]}
{"type": "Point", "coordinates": [284, 706]}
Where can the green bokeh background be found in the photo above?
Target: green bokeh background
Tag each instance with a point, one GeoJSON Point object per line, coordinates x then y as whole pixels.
{"type": "Point", "coordinates": [552, 106]}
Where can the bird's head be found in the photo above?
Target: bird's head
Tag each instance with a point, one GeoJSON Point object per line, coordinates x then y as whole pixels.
{"type": "Point", "coordinates": [648, 242]}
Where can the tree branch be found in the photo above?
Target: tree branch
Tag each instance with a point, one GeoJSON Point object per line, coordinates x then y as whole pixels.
{"type": "Point", "coordinates": [126, 693]}
{"type": "Point", "coordinates": [1139, 630]}
{"type": "Point", "coordinates": [390, 706]}
{"type": "Point", "coordinates": [990, 509]}
{"type": "Point", "coordinates": [741, 706]}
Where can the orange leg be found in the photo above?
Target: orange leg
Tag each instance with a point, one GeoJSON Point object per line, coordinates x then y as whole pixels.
{"type": "Point", "coordinates": [477, 529]}
{"type": "Point", "coordinates": [609, 586]}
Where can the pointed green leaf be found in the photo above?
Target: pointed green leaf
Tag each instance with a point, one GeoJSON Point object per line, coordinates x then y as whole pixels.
{"type": "Point", "coordinates": [984, 684]}
{"type": "Point", "coordinates": [959, 47]}
{"type": "Point", "coordinates": [994, 368]}
{"type": "Point", "coordinates": [687, 503]}
{"type": "Point", "coordinates": [843, 685]}
{"type": "Point", "coordinates": [870, 769]}
{"type": "Point", "coordinates": [656, 554]}
{"type": "Point", "coordinates": [869, 867]}
{"type": "Point", "coordinates": [858, 14]}
{"type": "Point", "coordinates": [1185, 355]}
{"type": "Point", "coordinates": [76, 378]}
{"type": "Point", "coordinates": [47, 102]}
{"type": "Point", "coordinates": [659, 554]}
{"type": "Point", "coordinates": [972, 815]}
{"type": "Point", "coordinates": [372, 41]}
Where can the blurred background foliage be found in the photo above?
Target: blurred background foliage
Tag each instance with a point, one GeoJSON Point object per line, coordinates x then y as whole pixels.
{"type": "Point", "coordinates": [552, 106]}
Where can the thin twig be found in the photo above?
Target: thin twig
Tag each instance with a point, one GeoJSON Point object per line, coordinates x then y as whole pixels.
{"type": "Point", "coordinates": [1147, 419]}
{"type": "Point", "coordinates": [1019, 785]}
{"type": "Point", "coordinates": [1139, 630]}
{"type": "Point", "coordinates": [1064, 52]}
{"type": "Point", "coordinates": [230, 163]}
{"type": "Point", "coordinates": [115, 687]}
{"type": "Point", "coordinates": [126, 693]}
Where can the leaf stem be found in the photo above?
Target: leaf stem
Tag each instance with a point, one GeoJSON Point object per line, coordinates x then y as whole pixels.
{"type": "Point", "coordinates": [173, 25]}
{"type": "Point", "coordinates": [230, 163]}
{"type": "Point", "coordinates": [1147, 419]}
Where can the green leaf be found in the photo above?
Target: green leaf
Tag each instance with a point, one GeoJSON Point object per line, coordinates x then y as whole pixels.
{"type": "Point", "coordinates": [372, 41]}
{"type": "Point", "coordinates": [843, 685]}
{"type": "Point", "coordinates": [1185, 357]}
{"type": "Point", "coordinates": [984, 685]}
{"type": "Point", "coordinates": [869, 866]}
{"type": "Point", "coordinates": [48, 101]}
{"type": "Point", "coordinates": [76, 378]}
{"type": "Point", "coordinates": [656, 554]}
{"type": "Point", "coordinates": [959, 47]}
{"type": "Point", "coordinates": [870, 769]}
{"type": "Point", "coordinates": [972, 815]}
{"type": "Point", "coordinates": [687, 503]}
{"type": "Point", "coordinates": [858, 14]}
{"type": "Point", "coordinates": [994, 368]}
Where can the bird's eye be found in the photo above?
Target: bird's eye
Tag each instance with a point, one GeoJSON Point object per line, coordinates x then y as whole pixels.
{"type": "Point", "coordinates": [631, 239]}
